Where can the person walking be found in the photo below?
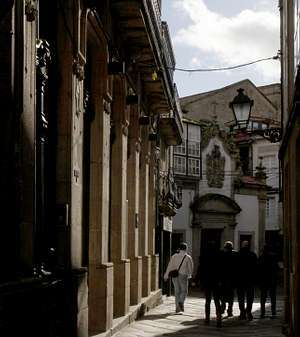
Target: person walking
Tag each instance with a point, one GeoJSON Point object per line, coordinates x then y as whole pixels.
{"type": "Point", "coordinates": [183, 263]}
{"type": "Point", "coordinates": [246, 277]}
{"type": "Point", "coordinates": [228, 277]}
{"type": "Point", "coordinates": [209, 276]}
{"type": "Point", "coordinates": [268, 275]}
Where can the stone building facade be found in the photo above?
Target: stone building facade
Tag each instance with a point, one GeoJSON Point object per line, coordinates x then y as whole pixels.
{"type": "Point", "coordinates": [227, 195]}
{"type": "Point", "coordinates": [290, 162]}
{"type": "Point", "coordinates": [89, 114]}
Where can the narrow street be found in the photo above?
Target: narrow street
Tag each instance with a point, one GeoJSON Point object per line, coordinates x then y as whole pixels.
{"type": "Point", "coordinates": [163, 321]}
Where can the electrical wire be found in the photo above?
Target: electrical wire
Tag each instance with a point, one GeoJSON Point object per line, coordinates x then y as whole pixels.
{"type": "Point", "coordinates": [225, 68]}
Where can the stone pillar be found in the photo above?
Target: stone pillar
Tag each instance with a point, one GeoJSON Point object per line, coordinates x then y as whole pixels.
{"type": "Point", "coordinates": [133, 164]}
{"type": "Point", "coordinates": [143, 214]}
{"type": "Point", "coordinates": [97, 132]}
{"type": "Point", "coordinates": [196, 246]}
{"type": "Point", "coordinates": [260, 175]}
{"type": "Point", "coordinates": [262, 199]}
{"type": "Point", "coordinates": [152, 219]}
{"type": "Point", "coordinates": [118, 215]}
{"type": "Point", "coordinates": [228, 233]}
{"type": "Point", "coordinates": [101, 276]}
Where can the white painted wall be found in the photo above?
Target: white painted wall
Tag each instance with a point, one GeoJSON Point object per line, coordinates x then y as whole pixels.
{"type": "Point", "coordinates": [183, 219]}
{"type": "Point", "coordinates": [247, 219]}
{"type": "Point", "coordinates": [269, 152]}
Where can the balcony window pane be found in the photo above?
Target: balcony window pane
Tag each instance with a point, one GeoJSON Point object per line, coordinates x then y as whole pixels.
{"type": "Point", "coordinates": [179, 165]}
{"type": "Point", "coordinates": [180, 149]}
{"type": "Point", "coordinates": [194, 132]}
{"type": "Point", "coordinates": [194, 148]}
{"type": "Point", "coordinates": [194, 167]}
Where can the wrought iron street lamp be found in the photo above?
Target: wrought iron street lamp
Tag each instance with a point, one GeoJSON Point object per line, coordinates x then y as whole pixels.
{"type": "Point", "coordinates": [241, 106]}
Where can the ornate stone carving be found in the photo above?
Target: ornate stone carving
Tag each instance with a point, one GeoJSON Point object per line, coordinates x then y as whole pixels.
{"type": "Point", "coordinates": [78, 68]}
{"type": "Point", "coordinates": [30, 10]}
{"type": "Point", "coordinates": [211, 129]}
{"type": "Point", "coordinates": [215, 168]}
{"type": "Point", "coordinates": [43, 59]}
{"type": "Point", "coordinates": [138, 145]}
{"type": "Point", "coordinates": [124, 127]}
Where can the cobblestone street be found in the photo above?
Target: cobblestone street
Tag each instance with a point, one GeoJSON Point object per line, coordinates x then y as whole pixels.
{"type": "Point", "coordinates": [163, 321]}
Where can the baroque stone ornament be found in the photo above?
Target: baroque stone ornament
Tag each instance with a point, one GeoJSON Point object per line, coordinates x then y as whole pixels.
{"type": "Point", "coordinates": [30, 10]}
{"type": "Point", "coordinates": [211, 129]}
{"type": "Point", "coordinates": [215, 168]}
{"type": "Point", "coordinates": [78, 68]}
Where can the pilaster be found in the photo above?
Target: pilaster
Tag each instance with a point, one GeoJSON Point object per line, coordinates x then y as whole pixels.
{"type": "Point", "coordinates": [144, 212]}
{"type": "Point", "coordinates": [152, 217]}
{"type": "Point", "coordinates": [133, 164]}
{"type": "Point", "coordinates": [119, 205]}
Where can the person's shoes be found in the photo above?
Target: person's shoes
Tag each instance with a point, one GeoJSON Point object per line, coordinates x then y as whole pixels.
{"type": "Point", "coordinates": [229, 313]}
{"type": "Point", "coordinates": [181, 306]}
{"type": "Point", "coordinates": [219, 322]}
{"type": "Point", "coordinates": [177, 309]}
{"type": "Point", "coordinates": [242, 317]}
{"type": "Point", "coordinates": [206, 321]}
{"type": "Point", "coordinates": [250, 316]}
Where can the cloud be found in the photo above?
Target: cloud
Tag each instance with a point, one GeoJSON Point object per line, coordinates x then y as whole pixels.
{"type": "Point", "coordinates": [249, 35]}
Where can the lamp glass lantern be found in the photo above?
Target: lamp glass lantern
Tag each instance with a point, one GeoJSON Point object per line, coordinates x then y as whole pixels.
{"type": "Point", "coordinates": [241, 107]}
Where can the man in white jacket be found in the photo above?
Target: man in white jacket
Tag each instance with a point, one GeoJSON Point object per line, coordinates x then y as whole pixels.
{"type": "Point", "coordinates": [183, 262]}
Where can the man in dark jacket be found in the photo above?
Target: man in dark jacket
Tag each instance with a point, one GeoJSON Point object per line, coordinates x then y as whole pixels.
{"type": "Point", "coordinates": [268, 274]}
{"type": "Point", "coordinates": [209, 277]}
{"type": "Point", "coordinates": [228, 276]}
{"type": "Point", "coordinates": [247, 273]}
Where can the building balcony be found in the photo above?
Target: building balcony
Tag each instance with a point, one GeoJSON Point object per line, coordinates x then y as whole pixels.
{"type": "Point", "coordinates": [170, 124]}
{"type": "Point", "coordinates": [139, 22]}
{"type": "Point", "coordinates": [168, 201]}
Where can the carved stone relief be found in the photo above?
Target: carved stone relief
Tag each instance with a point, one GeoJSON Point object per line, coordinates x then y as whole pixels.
{"type": "Point", "coordinates": [215, 168]}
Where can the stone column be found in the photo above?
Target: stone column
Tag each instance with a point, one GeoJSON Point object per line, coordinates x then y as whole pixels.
{"type": "Point", "coordinates": [143, 214]}
{"type": "Point", "coordinates": [133, 173]}
{"type": "Point", "coordinates": [119, 218]}
{"type": "Point", "coordinates": [100, 270]}
{"type": "Point", "coordinates": [152, 219]}
{"type": "Point", "coordinates": [196, 246]}
{"type": "Point", "coordinates": [260, 175]}
{"type": "Point", "coordinates": [228, 233]}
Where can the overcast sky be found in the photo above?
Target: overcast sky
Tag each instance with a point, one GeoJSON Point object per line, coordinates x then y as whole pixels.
{"type": "Point", "coordinates": [221, 33]}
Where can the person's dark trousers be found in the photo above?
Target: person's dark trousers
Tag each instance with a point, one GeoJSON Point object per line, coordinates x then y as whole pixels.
{"type": "Point", "coordinates": [227, 297]}
{"type": "Point", "coordinates": [248, 292]}
{"type": "Point", "coordinates": [210, 293]}
{"type": "Point", "coordinates": [264, 290]}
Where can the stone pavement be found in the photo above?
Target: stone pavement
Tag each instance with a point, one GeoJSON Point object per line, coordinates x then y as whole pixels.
{"type": "Point", "coordinates": [163, 321]}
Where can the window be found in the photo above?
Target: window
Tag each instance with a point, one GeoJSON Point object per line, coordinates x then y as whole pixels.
{"type": "Point", "coordinates": [271, 210]}
{"type": "Point", "coordinates": [194, 148]}
{"type": "Point", "coordinates": [194, 167]}
{"type": "Point", "coordinates": [187, 156]}
{"type": "Point", "coordinates": [179, 165]}
{"type": "Point", "coordinates": [272, 170]}
{"type": "Point", "coordinates": [181, 149]}
{"type": "Point", "coordinates": [245, 157]}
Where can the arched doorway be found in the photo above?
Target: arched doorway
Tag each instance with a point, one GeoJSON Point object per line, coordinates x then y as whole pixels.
{"type": "Point", "coordinates": [214, 219]}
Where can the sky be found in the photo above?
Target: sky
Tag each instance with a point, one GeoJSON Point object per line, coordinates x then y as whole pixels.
{"type": "Point", "coordinates": [222, 33]}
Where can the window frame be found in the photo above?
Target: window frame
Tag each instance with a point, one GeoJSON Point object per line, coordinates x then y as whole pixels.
{"type": "Point", "coordinates": [187, 155]}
